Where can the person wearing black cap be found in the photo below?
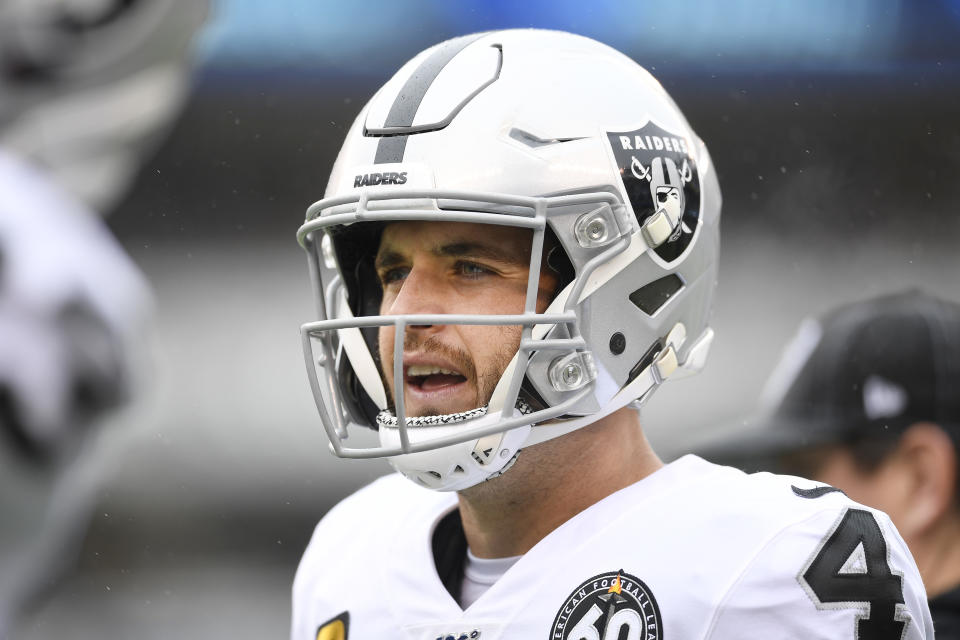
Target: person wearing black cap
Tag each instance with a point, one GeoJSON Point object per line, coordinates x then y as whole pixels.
{"type": "Point", "coordinates": [867, 399]}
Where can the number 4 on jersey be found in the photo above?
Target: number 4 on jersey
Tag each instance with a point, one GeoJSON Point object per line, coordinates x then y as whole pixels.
{"type": "Point", "coordinates": [851, 571]}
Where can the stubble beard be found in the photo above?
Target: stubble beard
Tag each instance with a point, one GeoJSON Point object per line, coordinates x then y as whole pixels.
{"type": "Point", "coordinates": [485, 381]}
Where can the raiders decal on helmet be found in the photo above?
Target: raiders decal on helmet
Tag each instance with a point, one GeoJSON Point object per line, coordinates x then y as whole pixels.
{"type": "Point", "coordinates": [659, 173]}
{"type": "Point", "coordinates": [609, 606]}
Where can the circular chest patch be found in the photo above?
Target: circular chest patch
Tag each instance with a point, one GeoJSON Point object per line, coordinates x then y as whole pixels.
{"type": "Point", "coordinates": [610, 606]}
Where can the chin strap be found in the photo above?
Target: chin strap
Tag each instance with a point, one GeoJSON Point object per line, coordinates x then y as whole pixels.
{"type": "Point", "coordinates": [386, 418]}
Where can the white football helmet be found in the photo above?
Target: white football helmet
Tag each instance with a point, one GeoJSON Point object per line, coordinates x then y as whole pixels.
{"type": "Point", "coordinates": [546, 131]}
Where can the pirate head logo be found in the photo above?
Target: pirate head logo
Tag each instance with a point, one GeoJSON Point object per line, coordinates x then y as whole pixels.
{"type": "Point", "coordinates": [608, 607]}
{"type": "Point", "coordinates": [659, 174]}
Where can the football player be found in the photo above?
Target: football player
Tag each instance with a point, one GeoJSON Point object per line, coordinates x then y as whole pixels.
{"type": "Point", "coordinates": [865, 399]}
{"type": "Point", "coordinates": [86, 89]}
{"type": "Point", "coordinates": [506, 270]}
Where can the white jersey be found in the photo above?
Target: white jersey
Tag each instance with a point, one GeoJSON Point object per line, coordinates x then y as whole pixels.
{"type": "Point", "coordinates": [694, 551]}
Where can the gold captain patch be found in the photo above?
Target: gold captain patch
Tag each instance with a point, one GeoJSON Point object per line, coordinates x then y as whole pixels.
{"type": "Point", "coordinates": [336, 628]}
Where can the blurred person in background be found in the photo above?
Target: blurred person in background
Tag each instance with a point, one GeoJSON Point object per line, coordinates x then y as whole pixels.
{"type": "Point", "coordinates": [867, 400]}
{"type": "Point", "coordinates": [87, 89]}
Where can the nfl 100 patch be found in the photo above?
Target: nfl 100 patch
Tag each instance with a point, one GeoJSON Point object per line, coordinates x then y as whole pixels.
{"type": "Point", "coordinates": [659, 173]}
{"type": "Point", "coordinates": [607, 606]}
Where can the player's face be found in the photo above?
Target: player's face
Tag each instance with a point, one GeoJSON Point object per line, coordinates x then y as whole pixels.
{"type": "Point", "coordinates": [450, 267]}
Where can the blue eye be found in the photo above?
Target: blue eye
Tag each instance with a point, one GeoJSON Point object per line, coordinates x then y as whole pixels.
{"type": "Point", "coordinates": [393, 275]}
{"type": "Point", "coordinates": [472, 269]}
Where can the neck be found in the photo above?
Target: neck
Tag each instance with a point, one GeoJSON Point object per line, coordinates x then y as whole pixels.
{"type": "Point", "coordinates": [553, 481]}
{"type": "Point", "coordinates": [938, 556]}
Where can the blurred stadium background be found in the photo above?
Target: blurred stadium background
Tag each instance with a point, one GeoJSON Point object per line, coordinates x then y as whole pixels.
{"type": "Point", "coordinates": [834, 129]}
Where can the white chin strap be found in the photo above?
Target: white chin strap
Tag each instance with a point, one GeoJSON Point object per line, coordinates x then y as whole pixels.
{"type": "Point", "coordinates": [456, 466]}
{"type": "Point", "coordinates": [386, 418]}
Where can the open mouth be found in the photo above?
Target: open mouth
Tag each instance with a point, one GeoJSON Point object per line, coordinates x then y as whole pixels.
{"type": "Point", "coordinates": [432, 378]}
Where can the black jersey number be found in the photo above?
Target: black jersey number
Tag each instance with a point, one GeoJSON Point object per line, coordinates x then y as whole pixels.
{"type": "Point", "coordinates": [869, 583]}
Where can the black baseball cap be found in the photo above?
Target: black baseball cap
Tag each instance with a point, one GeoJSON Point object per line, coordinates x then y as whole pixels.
{"type": "Point", "coordinates": [865, 369]}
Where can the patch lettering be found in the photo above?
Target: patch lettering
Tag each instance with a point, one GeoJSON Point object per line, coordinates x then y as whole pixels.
{"type": "Point", "coordinates": [659, 173]}
{"type": "Point", "coordinates": [607, 607]}
{"type": "Point", "coordinates": [466, 635]}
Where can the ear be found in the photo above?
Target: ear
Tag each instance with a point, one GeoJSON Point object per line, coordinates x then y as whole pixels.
{"type": "Point", "coordinates": [930, 459]}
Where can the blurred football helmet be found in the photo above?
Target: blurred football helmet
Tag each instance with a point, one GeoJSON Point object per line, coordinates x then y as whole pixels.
{"type": "Point", "coordinates": [89, 87]}
{"type": "Point", "coordinates": [540, 130]}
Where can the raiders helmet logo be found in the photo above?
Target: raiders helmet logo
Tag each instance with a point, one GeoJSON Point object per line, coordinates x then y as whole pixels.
{"type": "Point", "coordinates": [659, 173]}
{"type": "Point", "coordinates": [608, 607]}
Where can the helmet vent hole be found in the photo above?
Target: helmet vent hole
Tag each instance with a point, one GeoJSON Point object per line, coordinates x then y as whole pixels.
{"type": "Point", "coordinates": [651, 297]}
{"type": "Point", "coordinates": [534, 141]}
{"type": "Point", "coordinates": [458, 469]}
{"type": "Point", "coordinates": [618, 343]}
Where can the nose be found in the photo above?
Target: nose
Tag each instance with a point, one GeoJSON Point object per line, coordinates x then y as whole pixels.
{"type": "Point", "coordinates": [421, 293]}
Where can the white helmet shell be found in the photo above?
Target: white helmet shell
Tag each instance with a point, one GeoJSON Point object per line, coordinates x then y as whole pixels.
{"type": "Point", "coordinates": [537, 129]}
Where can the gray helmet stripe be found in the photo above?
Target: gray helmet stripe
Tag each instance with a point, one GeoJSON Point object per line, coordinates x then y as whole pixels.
{"type": "Point", "coordinates": [404, 108]}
